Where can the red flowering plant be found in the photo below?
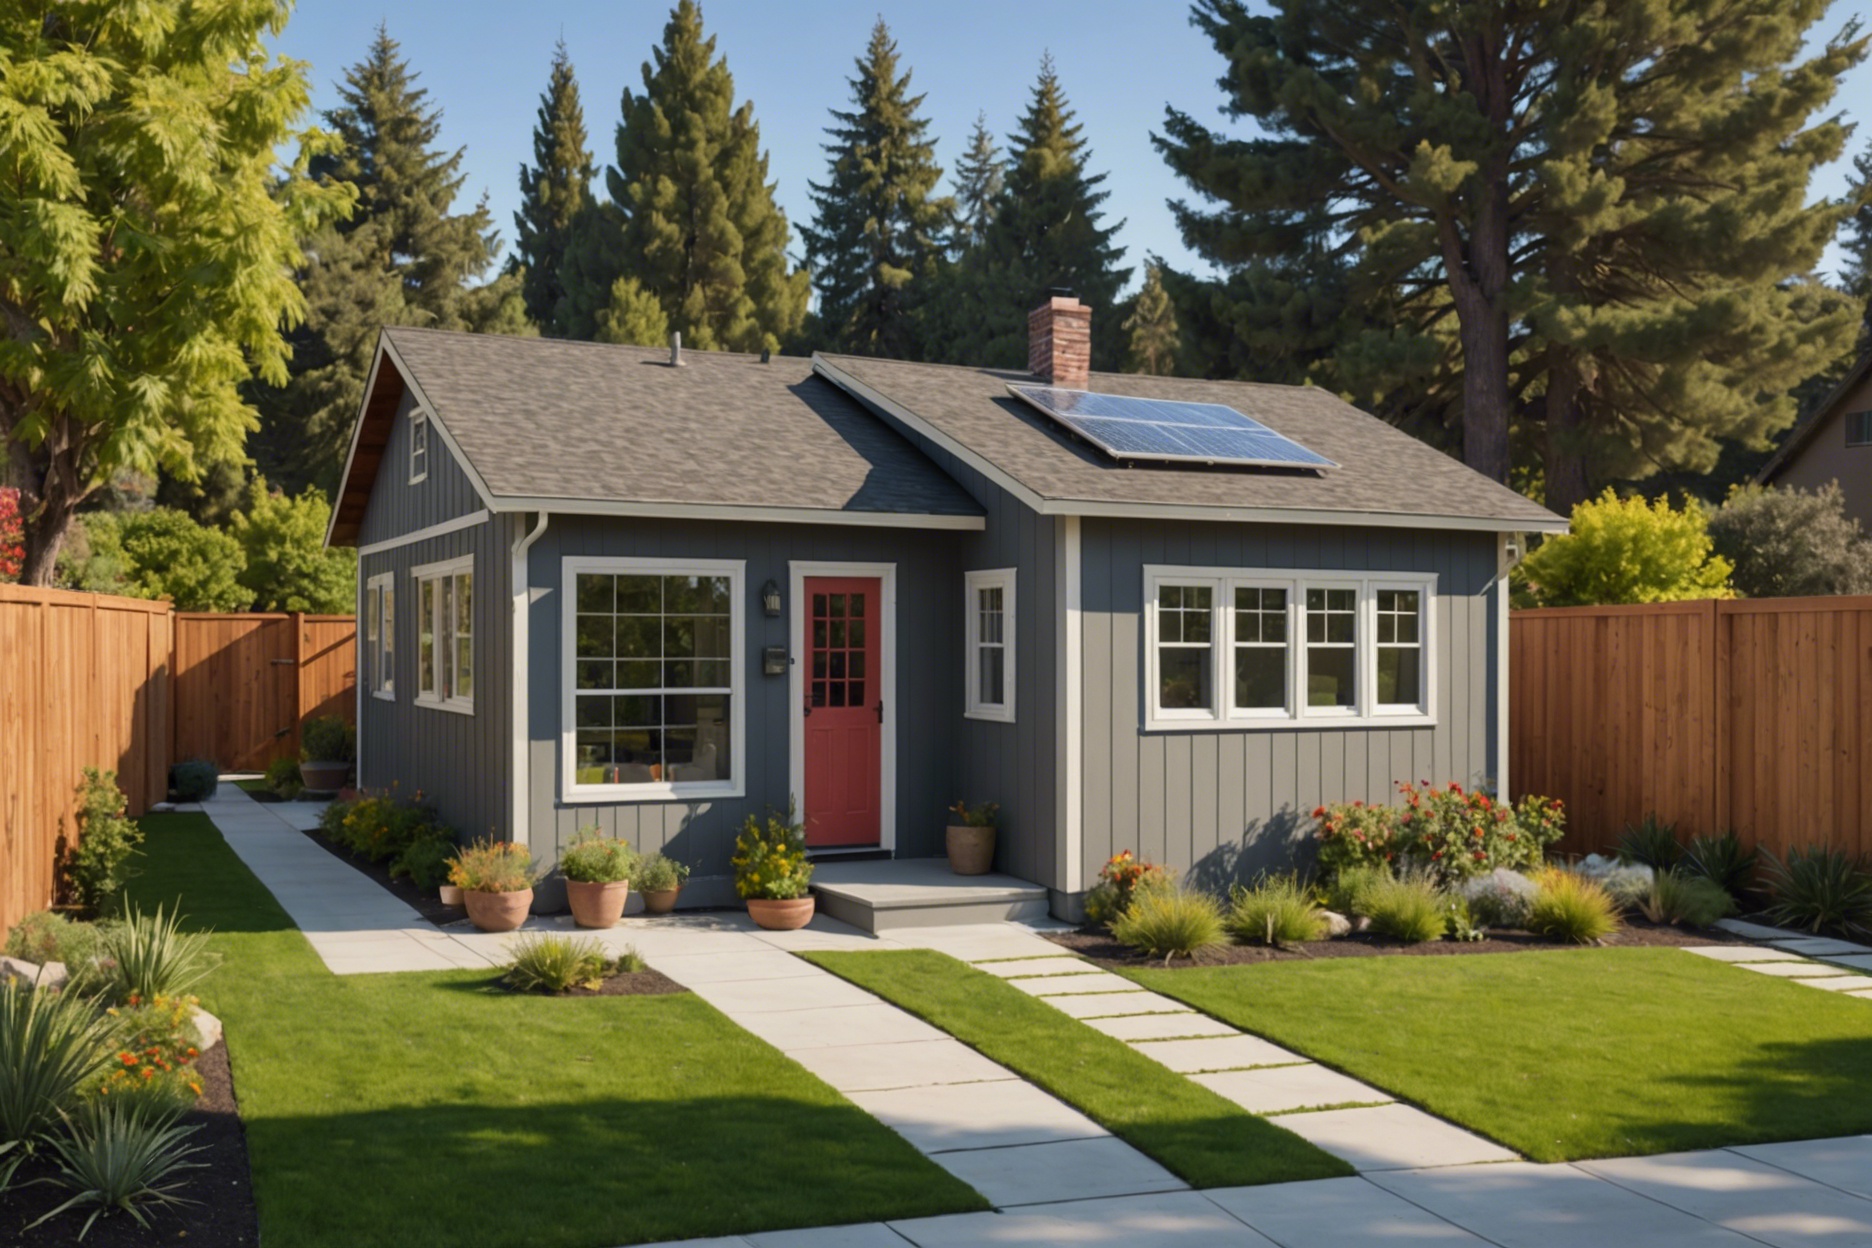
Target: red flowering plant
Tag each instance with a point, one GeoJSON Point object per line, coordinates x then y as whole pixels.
{"type": "Point", "coordinates": [1540, 822]}
{"type": "Point", "coordinates": [1456, 833]}
{"type": "Point", "coordinates": [1119, 881]}
{"type": "Point", "coordinates": [156, 1050]}
{"type": "Point", "coordinates": [1353, 834]}
{"type": "Point", "coordinates": [12, 536]}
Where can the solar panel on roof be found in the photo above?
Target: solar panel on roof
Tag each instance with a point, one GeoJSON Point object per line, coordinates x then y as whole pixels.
{"type": "Point", "coordinates": [1165, 429]}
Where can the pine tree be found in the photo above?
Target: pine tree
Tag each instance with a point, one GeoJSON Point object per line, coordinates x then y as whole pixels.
{"type": "Point", "coordinates": [401, 259]}
{"type": "Point", "coordinates": [695, 222]}
{"type": "Point", "coordinates": [1856, 241]}
{"type": "Point", "coordinates": [980, 178]}
{"type": "Point", "coordinates": [1151, 329]}
{"type": "Point", "coordinates": [1046, 233]}
{"type": "Point", "coordinates": [877, 225]}
{"type": "Point", "coordinates": [553, 192]}
{"type": "Point", "coordinates": [633, 316]}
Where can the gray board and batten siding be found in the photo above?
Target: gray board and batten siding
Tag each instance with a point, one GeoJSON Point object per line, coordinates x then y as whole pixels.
{"type": "Point", "coordinates": [457, 762]}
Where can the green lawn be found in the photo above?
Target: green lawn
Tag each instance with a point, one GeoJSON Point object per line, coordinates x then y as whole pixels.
{"type": "Point", "coordinates": [1204, 1139]}
{"type": "Point", "coordinates": [1568, 1054]}
{"type": "Point", "coordinates": [431, 1109]}
{"type": "Point", "coordinates": [252, 786]}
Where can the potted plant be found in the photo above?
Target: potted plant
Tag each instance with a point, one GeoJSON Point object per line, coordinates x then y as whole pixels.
{"type": "Point", "coordinates": [971, 841]}
{"type": "Point", "coordinates": [327, 747]}
{"type": "Point", "coordinates": [771, 871]}
{"type": "Point", "coordinates": [597, 874]}
{"type": "Point", "coordinates": [659, 880]}
{"type": "Point", "coordinates": [496, 879]}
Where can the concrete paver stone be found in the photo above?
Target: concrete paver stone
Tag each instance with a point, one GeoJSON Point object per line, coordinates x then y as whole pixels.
{"type": "Point", "coordinates": [1238, 1052]}
{"type": "Point", "coordinates": [1075, 985]}
{"type": "Point", "coordinates": [1821, 946]}
{"type": "Point", "coordinates": [1840, 983]}
{"type": "Point", "coordinates": [1166, 1026]}
{"type": "Point", "coordinates": [1338, 1213]}
{"type": "Point", "coordinates": [1169, 1220]}
{"type": "Point", "coordinates": [1845, 1163]}
{"type": "Point", "coordinates": [1743, 953]}
{"type": "Point", "coordinates": [1793, 970]}
{"type": "Point", "coordinates": [1750, 1197]}
{"type": "Point", "coordinates": [976, 1115]}
{"type": "Point", "coordinates": [1278, 1089]}
{"type": "Point", "coordinates": [918, 1063]}
{"type": "Point", "coordinates": [1112, 1004]}
{"type": "Point", "coordinates": [1034, 1174]}
{"type": "Point", "coordinates": [1019, 967]}
{"type": "Point", "coordinates": [1393, 1137]}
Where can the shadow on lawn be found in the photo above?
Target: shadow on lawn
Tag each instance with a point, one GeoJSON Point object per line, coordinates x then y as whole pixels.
{"type": "Point", "coordinates": [600, 1172]}
{"type": "Point", "coordinates": [1779, 1090]}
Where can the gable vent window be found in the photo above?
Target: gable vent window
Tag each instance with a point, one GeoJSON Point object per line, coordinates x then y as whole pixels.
{"type": "Point", "coordinates": [1859, 428]}
{"type": "Point", "coordinates": [989, 630]}
{"type": "Point", "coordinates": [1270, 648]}
{"type": "Point", "coordinates": [445, 668]}
{"type": "Point", "coordinates": [418, 447]}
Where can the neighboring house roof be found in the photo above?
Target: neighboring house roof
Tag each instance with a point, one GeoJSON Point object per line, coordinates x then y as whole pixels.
{"type": "Point", "coordinates": [578, 426]}
{"type": "Point", "coordinates": [1803, 433]}
{"type": "Point", "coordinates": [1385, 476]}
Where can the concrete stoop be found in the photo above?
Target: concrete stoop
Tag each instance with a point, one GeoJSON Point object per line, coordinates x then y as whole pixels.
{"type": "Point", "coordinates": [881, 896]}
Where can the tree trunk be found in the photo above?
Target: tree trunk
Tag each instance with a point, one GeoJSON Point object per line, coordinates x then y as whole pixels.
{"type": "Point", "coordinates": [45, 537]}
{"type": "Point", "coordinates": [1566, 433]}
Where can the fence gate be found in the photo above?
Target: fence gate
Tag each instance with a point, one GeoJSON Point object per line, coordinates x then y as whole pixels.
{"type": "Point", "coordinates": [244, 683]}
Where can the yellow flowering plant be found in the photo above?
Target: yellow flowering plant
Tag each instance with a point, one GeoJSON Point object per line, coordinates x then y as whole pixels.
{"type": "Point", "coordinates": [770, 858]}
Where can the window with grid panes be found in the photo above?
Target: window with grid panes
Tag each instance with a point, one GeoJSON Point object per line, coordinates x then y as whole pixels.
{"type": "Point", "coordinates": [1261, 650]}
{"type": "Point", "coordinates": [1332, 647]}
{"type": "Point", "coordinates": [1185, 659]}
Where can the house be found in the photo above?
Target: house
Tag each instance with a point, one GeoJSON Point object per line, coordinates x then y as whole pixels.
{"type": "Point", "coordinates": [1833, 444]}
{"type": "Point", "coordinates": [656, 593]}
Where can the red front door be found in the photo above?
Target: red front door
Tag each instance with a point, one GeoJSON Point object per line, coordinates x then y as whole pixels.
{"type": "Point", "coordinates": [844, 711]}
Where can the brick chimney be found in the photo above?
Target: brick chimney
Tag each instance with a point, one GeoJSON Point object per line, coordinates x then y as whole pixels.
{"type": "Point", "coordinates": [1059, 341]}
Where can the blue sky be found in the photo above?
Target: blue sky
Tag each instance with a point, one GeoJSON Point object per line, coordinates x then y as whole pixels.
{"type": "Point", "coordinates": [486, 63]}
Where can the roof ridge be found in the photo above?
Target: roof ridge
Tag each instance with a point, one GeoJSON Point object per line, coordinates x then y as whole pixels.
{"type": "Point", "coordinates": [542, 340]}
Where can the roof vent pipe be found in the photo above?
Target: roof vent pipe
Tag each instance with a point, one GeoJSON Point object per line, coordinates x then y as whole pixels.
{"type": "Point", "coordinates": [675, 348]}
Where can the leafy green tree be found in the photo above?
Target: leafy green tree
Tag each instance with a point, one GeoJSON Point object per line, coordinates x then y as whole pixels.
{"type": "Point", "coordinates": [980, 179]}
{"type": "Point", "coordinates": [633, 317]}
{"type": "Point", "coordinates": [695, 219]}
{"type": "Point", "coordinates": [554, 190]}
{"type": "Point", "coordinates": [160, 553]}
{"type": "Point", "coordinates": [147, 242]}
{"type": "Point", "coordinates": [877, 228]}
{"type": "Point", "coordinates": [1571, 227]}
{"type": "Point", "coordinates": [1626, 550]}
{"type": "Point", "coordinates": [288, 567]}
{"type": "Point", "coordinates": [1792, 543]}
{"type": "Point", "coordinates": [1152, 328]}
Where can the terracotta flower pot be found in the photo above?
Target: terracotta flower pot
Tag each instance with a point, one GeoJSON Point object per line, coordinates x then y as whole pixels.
{"type": "Point", "coordinates": [324, 777]}
{"type": "Point", "coordinates": [780, 916]}
{"type": "Point", "coordinates": [971, 850]}
{"type": "Point", "coordinates": [597, 904]}
{"type": "Point", "coordinates": [451, 894]}
{"type": "Point", "coordinates": [660, 901]}
{"type": "Point", "coordinates": [498, 912]}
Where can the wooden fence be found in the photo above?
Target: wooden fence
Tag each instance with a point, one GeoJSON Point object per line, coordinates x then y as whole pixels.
{"type": "Point", "coordinates": [1754, 715]}
{"type": "Point", "coordinates": [123, 684]}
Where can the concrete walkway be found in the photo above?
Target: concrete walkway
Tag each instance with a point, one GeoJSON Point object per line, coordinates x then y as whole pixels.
{"type": "Point", "coordinates": [1816, 961]}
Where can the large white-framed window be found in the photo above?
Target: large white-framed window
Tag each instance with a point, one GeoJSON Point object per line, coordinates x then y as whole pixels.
{"type": "Point", "coordinates": [989, 629]}
{"type": "Point", "coordinates": [418, 446]}
{"type": "Point", "coordinates": [1271, 648]}
{"type": "Point", "coordinates": [380, 635]}
{"type": "Point", "coordinates": [653, 677]}
{"type": "Point", "coordinates": [445, 666]}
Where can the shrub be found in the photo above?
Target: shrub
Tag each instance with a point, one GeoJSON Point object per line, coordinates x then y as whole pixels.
{"type": "Point", "coordinates": [379, 827]}
{"type": "Point", "coordinates": [770, 858]}
{"type": "Point", "coordinates": [543, 963]}
{"type": "Point", "coordinates": [1353, 835]}
{"type": "Point", "coordinates": [1628, 884]}
{"type": "Point", "coordinates": [1625, 550]}
{"type": "Point", "coordinates": [1119, 880]}
{"type": "Point", "coordinates": [982, 816]}
{"type": "Point", "coordinates": [1277, 910]}
{"type": "Point", "coordinates": [53, 1045]}
{"type": "Point", "coordinates": [195, 781]}
{"type": "Point", "coordinates": [126, 1155]}
{"type": "Point", "coordinates": [657, 873]}
{"type": "Point", "coordinates": [1688, 900]}
{"type": "Point", "coordinates": [593, 859]}
{"type": "Point", "coordinates": [1501, 898]}
{"type": "Point", "coordinates": [1817, 888]}
{"type": "Point", "coordinates": [1540, 822]}
{"type": "Point", "coordinates": [1652, 842]}
{"type": "Point", "coordinates": [160, 553]}
{"type": "Point", "coordinates": [1572, 907]}
{"type": "Point", "coordinates": [289, 566]}
{"type": "Point", "coordinates": [1170, 922]}
{"type": "Point", "coordinates": [1723, 861]}
{"type": "Point", "coordinates": [1792, 543]}
{"type": "Point", "coordinates": [156, 1051]}
{"type": "Point", "coordinates": [328, 739]}
{"type": "Point", "coordinates": [630, 962]}
{"type": "Point", "coordinates": [282, 777]}
{"type": "Point", "coordinates": [1407, 908]}
{"type": "Point", "coordinates": [48, 936]}
{"type": "Point", "coordinates": [149, 956]}
{"type": "Point", "coordinates": [1349, 888]}
{"type": "Point", "coordinates": [99, 866]}
{"type": "Point", "coordinates": [332, 818]}
{"type": "Point", "coordinates": [1456, 833]}
{"type": "Point", "coordinates": [425, 861]}
{"type": "Point", "coordinates": [491, 866]}
{"type": "Point", "coordinates": [1459, 923]}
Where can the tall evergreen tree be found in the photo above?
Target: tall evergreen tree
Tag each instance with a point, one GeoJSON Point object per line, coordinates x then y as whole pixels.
{"type": "Point", "coordinates": [1151, 329]}
{"type": "Point", "coordinates": [1581, 221]}
{"type": "Point", "coordinates": [403, 258]}
{"type": "Point", "coordinates": [553, 191]}
{"type": "Point", "coordinates": [980, 178]}
{"type": "Point", "coordinates": [693, 216]}
{"type": "Point", "coordinates": [1047, 233]}
{"type": "Point", "coordinates": [877, 227]}
{"type": "Point", "coordinates": [1856, 240]}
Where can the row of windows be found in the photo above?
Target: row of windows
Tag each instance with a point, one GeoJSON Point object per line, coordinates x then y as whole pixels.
{"type": "Point", "coordinates": [445, 667]}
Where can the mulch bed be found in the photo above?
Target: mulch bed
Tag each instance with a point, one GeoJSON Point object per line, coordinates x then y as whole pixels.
{"type": "Point", "coordinates": [221, 1216]}
{"type": "Point", "coordinates": [644, 983]}
{"type": "Point", "coordinates": [420, 900]}
{"type": "Point", "coordinates": [1097, 945]}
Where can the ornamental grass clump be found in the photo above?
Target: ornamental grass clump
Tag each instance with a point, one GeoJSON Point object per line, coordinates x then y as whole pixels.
{"type": "Point", "coordinates": [1572, 907]}
{"type": "Point", "coordinates": [1171, 922]}
{"type": "Point", "coordinates": [1686, 900]}
{"type": "Point", "coordinates": [491, 866]}
{"type": "Point", "coordinates": [1275, 910]}
{"type": "Point", "coordinates": [770, 861]}
{"type": "Point", "coordinates": [1346, 894]}
{"type": "Point", "coordinates": [1409, 908]}
{"type": "Point", "coordinates": [1819, 888]}
{"type": "Point", "coordinates": [543, 963]}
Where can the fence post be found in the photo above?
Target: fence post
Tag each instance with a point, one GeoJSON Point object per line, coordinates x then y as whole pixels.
{"type": "Point", "coordinates": [1719, 719]}
{"type": "Point", "coordinates": [299, 670]}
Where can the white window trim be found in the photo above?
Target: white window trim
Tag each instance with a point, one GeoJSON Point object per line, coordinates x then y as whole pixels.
{"type": "Point", "coordinates": [437, 572]}
{"type": "Point", "coordinates": [1297, 715]}
{"type": "Point", "coordinates": [974, 583]}
{"type": "Point", "coordinates": [383, 685]}
{"type": "Point", "coordinates": [657, 791]}
{"type": "Point", "coordinates": [419, 424]}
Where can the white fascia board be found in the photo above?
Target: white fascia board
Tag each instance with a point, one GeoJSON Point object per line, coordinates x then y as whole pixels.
{"type": "Point", "coordinates": [446, 527]}
{"type": "Point", "coordinates": [727, 511]}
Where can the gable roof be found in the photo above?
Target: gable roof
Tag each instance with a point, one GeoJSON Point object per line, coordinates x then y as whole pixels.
{"type": "Point", "coordinates": [1386, 476]}
{"type": "Point", "coordinates": [589, 427]}
{"type": "Point", "coordinates": [1803, 433]}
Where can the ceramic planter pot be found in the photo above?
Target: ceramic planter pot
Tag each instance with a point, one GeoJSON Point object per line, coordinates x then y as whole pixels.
{"type": "Point", "coordinates": [780, 916]}
{"type": "Point", "coordinates": [498, 912]}
{"type": "Point", "coordinates": [597, 904]}
{"type": "Point", "coordinates": [451, 894]}
{"type": "Point", "coordinates": [660, 901]}
{"type": "Point", "coordinates": [971, 850]}
{"type": "Point", "coordinates": [324, 777]}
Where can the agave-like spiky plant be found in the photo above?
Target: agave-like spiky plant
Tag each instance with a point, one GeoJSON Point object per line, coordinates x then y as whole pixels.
{"type": "Point", "coordinates": [125, 1155]}
{"type": "Point", "coordinates": [51, 1045]}
{"type": "Point", "coordinates": [150, 956]}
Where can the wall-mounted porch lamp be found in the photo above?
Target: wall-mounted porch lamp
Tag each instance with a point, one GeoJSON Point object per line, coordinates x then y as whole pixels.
{"type": "Point", "coordinates": [770, 597]}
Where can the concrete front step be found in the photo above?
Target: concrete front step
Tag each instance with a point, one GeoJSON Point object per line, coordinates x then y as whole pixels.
{"type": "Point", "coordinates": [881, 896]}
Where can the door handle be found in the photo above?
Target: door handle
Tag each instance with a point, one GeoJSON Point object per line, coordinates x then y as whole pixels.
{"type": "Point", "coordinates": [809, 709]}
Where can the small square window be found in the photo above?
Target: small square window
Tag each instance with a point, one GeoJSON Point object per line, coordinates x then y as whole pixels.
{"type": "Point", "coordinates": [1859, 428]}
{"type": "Point", "coordinates": [418, 447]}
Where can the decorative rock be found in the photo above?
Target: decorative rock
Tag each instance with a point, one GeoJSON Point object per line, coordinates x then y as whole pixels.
{"type": "Point", "coordinates": [207, 1028]}
{"type": "Point", "coordinates": [19, 971]}
{"type": "Point", "coordinates": [1336, 924]}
